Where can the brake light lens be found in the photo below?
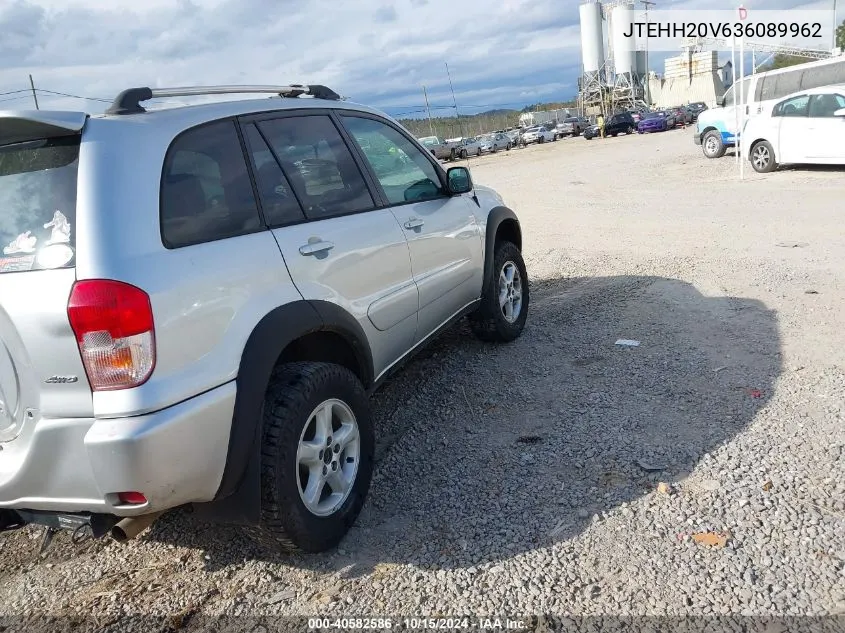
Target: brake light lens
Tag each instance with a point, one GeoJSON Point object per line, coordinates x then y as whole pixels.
{"type": "Point", "coordinates": [113, 324]}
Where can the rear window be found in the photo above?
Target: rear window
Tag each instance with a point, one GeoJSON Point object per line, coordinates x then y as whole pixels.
{"type": "Point", "coordinates": [38, 204]}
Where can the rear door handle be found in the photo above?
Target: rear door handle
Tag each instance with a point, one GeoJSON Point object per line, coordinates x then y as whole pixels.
{"type": "Point", "coordinates": [414, 223]}
{"type": "Point", "coordinates": [312, 248]}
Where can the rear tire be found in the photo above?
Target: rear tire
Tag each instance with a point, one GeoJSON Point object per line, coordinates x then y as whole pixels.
{"type": "Point", "coordinates": [296, 394]}
{"type": "Point", "coordinates": [712, 145]}
{"type": "Point", "coordinates": [763, 157]}
{"type": "Point", "coordinates": [504, 300]}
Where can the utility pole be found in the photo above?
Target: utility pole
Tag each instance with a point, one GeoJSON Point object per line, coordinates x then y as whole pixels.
{"type": "Point", "coordinates": [428, 109]}
{"type": "Point", "coordinates": [833, 48]}
{"type": "Point", "coordinates": [647, 4]}
{"type": "Point", "coordinates": [34, 96]}
{"type": "Point", "coordinates": [455, 101]}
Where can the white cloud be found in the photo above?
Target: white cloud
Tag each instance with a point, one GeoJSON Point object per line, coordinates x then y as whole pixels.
{"type": "Point", "coordinates": [379, 52]}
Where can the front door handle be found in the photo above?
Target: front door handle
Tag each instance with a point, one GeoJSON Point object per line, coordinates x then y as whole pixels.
{"type": "Point", "coordinates": [414, 223]}
{"type": "Point", "coordinates": [313, 248]}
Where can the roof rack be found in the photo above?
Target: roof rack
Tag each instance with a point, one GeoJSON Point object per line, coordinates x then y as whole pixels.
{"type": "Point", "coordinates": [129, 101]}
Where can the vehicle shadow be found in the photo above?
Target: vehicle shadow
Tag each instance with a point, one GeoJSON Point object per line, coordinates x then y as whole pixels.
{"type": "Point", "coordinates": [487, 451]}
{"type": "Point", "coordinates": [813, 168]}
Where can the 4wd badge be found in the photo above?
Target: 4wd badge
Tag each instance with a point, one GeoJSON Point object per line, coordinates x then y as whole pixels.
{"type": "Point", "coordinates": [61, 380]}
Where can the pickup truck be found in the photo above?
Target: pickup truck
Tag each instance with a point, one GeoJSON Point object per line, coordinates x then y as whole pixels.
{"type": "Point", "coordinates": [439, 148]}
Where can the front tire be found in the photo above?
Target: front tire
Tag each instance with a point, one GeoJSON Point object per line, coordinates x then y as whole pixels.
{"type": "Point", "coordinates": [712, 145]}
{"type": "Point", "coordinates": [316, 457]}
{"type": "Point", "coordinates": [763, 157]}
{"type": "Point", "coordinates": [504, 301]}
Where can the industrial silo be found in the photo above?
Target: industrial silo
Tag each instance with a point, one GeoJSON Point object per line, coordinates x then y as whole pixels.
{"type": "Point", "coordinates": [641, 63]}
{"type": "Point", "coordinates": [624, 48]}
{"type": "Point", "coordinates": [592, 38]}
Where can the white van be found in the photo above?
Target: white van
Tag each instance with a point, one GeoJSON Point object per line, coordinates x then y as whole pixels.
{"type": "Point", "coordinates": [716, 129]}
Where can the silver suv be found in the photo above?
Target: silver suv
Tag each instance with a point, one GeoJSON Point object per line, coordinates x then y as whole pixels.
{"type": "Point", "coordinates": [196, 302]}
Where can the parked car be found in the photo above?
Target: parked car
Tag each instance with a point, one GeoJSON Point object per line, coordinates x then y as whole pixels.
{"type": "Point", "coordinates": [469, 147]}
{"type": "Point", "coordinates": [621, 123]}
{"type": "Point", "coordinates": [494, 142]}
{"type": "Point", "coordinates": [696, 108]}
{"type": "Point", "coordinates": [659, 121]}
{"type": "Point", "coordinates": [515, 136]}
{"type": "Point", "coordinates": [683, 116]}
{"type": "Point", "coordinates": [537, 134]}
{"type": "Point", "coordinates": [572, 126]}
{"type": "Point", "coordinates": [807, 127]}
{"type": "Point", "coordinates": [439, 148]}
{"type": "Point", "coordinates": [214, 344]}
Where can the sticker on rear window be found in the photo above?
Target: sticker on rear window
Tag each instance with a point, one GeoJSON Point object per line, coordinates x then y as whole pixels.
{"type": "Point", "coordinates": [54, 256]}
{"type": "Point", "coordinates": [16, 264]}
{"type": "Point", "coordinates": [61, 229]}
{"type": "Point", "coordinates": [22, 244]}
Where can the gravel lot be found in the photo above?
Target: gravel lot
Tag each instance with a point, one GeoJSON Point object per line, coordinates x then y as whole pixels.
{"type": "Point", "coordinates": [564, 474]}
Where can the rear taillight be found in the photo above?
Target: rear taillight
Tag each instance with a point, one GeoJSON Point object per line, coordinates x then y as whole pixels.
{"type": "Point", "coordinates": [113, 323]}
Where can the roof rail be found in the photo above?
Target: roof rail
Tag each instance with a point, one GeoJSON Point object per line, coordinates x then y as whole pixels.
{"type": "Point", "coordinates": [129, 101]}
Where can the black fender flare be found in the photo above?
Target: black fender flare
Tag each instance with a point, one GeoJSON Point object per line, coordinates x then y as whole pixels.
{"type": "Point", "coordinates": [238, 495]}
{"type": "Point", "coordinates": [495, 219]}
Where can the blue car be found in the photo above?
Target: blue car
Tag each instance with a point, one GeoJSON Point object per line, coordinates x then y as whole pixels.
{"type": "Point", "coordinates": [655, 122]}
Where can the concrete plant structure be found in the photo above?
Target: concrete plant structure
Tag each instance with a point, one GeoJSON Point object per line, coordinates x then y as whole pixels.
{"type": "Point", "coordinates": [612, 70]}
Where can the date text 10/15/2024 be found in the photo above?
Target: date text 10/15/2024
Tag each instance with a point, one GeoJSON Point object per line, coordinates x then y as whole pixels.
{"type": "Point", "coordinates": [418, 623]}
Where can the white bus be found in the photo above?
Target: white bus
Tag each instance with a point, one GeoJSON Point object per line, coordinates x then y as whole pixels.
{"type": "Point", "coordinates": [715, 129]}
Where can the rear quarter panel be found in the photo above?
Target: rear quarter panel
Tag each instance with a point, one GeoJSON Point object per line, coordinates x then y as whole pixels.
{"type": "Point", "coordinates": [206, 298]}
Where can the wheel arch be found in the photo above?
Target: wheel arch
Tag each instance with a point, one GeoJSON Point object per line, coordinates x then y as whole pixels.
{"type": "Point", "coordinates": [709, 128]}
{"type": "Point", "coordinates": [302, 330]}
{"type": "Point", "coordinates": [502, 223]}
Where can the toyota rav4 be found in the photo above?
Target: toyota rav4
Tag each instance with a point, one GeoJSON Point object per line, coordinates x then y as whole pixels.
{"type": "Point", "coordinates": [197, 301]}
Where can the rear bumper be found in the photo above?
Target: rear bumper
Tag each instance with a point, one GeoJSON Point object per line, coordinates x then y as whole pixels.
{"type": "Point", "coordinates": [173, 457]}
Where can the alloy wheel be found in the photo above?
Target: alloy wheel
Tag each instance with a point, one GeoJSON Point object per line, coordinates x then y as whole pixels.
{"type": "Point", "coordinates": [327, 457]}
{"type": "Point", "coordinates": [510, 291]}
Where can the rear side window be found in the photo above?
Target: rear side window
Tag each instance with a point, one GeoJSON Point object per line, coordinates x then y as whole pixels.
{"type": "Point", "coordinates": [826, 75]}
{"type": "Point", "coordinates": [318, 164]}
{"type": "Point", "coordinates": [278, 201]}
{"type": "Point", "coordinates": [38, 204]}
{"type": "Point", "coordinates": [206, 193]}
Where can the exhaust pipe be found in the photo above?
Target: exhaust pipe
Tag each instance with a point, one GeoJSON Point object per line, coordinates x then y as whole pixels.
{"type": "Point", "coordinates": [131, 527]}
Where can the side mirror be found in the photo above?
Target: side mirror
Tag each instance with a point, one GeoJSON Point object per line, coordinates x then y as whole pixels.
{"type": "Point", "coordinates": [720, 102]}
{"type": "Point", "coordinates": [459, 180]}
{"type": "Point", "coordinates": [840, 112]}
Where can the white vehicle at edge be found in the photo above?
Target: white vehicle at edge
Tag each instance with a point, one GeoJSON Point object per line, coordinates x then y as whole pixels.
{"type": "Point", "coordinates": [537, 134]}
{"type": "Point", "coordinates": [715, 129]}
{"type": "Point", "coordinates": [806, 127]}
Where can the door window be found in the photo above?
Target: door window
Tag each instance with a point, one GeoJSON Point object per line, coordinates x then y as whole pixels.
{"type": "Point", "coordinates": [318, 164]}
{"type": "Point", "coordinates": [404, 172]}
{"type": "Point", "coordinates": [795, 107]}
{"type": "Point", "coordinates": [825, 105]}
{"type": "Point", "coordinates": [206, 192]}
{"type": "Point", "coordinates": [277, 197]}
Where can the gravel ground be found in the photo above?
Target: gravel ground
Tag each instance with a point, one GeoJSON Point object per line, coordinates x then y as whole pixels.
{"type": "Point", "coordinates": [564, 474]}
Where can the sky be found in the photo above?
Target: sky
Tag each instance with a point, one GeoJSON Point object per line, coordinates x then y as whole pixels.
{"type": "Point", "coordinates": [500, 53]}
